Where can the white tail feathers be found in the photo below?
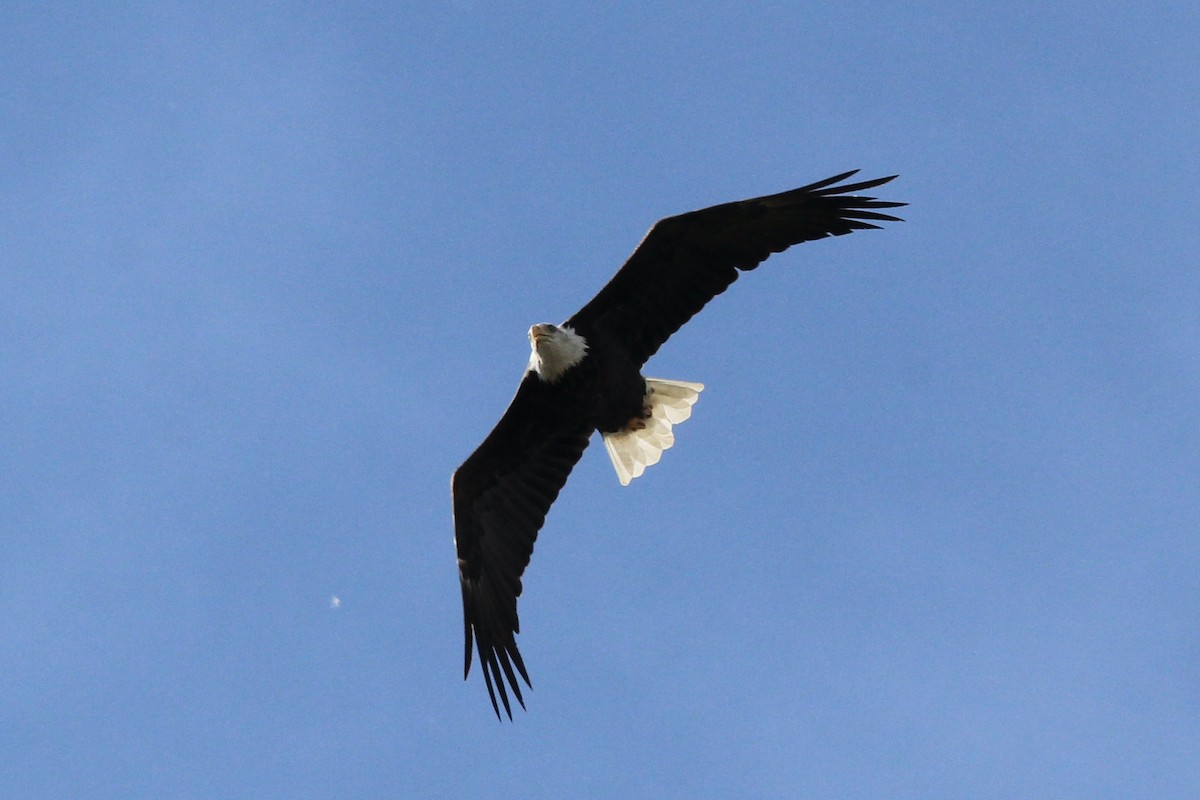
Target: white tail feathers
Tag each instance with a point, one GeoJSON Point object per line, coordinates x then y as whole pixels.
{"type": "Point", "coordinates": [670, 404]}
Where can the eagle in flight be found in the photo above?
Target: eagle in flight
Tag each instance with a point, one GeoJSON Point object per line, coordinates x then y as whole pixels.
{"type": "Point", "coordinates": [585, 375]}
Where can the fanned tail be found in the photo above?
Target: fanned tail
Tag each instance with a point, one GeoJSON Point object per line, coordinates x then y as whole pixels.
{"type": "Point", "coordinates": [670, 404]}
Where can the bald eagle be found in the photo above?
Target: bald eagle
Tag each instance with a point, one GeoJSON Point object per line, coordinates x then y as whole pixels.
{"type": "Point", "coordinates": [585, 375]}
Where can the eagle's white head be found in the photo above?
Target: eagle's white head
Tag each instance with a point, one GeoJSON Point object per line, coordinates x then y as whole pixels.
{"type": "Point", "coordinates": [555, 350]}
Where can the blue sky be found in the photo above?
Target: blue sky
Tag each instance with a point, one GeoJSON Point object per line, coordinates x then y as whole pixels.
{"type": "Point", "coordinates": [266, 277]}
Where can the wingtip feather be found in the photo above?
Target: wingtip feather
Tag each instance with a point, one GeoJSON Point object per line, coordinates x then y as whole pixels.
{"type": "Point", "coordinates": [821, 184]}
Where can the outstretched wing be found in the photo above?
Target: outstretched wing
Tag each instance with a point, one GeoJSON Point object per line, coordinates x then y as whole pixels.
{"type": "Point", "coordinates": [501, 495]}
{"type": "Point", "coordinates": [685, 261]}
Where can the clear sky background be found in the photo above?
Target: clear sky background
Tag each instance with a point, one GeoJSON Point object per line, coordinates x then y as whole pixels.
{"type": "Point", "coordinates": [265, 279]}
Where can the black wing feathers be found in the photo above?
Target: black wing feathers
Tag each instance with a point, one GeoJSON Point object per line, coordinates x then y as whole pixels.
{"type": "Point", "coordinates": [501, 496]}
{"type": "Point", "coordinates": [686, 260]}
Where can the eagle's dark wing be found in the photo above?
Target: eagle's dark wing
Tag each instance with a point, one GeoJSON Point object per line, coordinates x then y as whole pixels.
{"type": "Point", "coordinates": [501, 495]}
{"type": "Point", "coordinates": [685, 261]}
